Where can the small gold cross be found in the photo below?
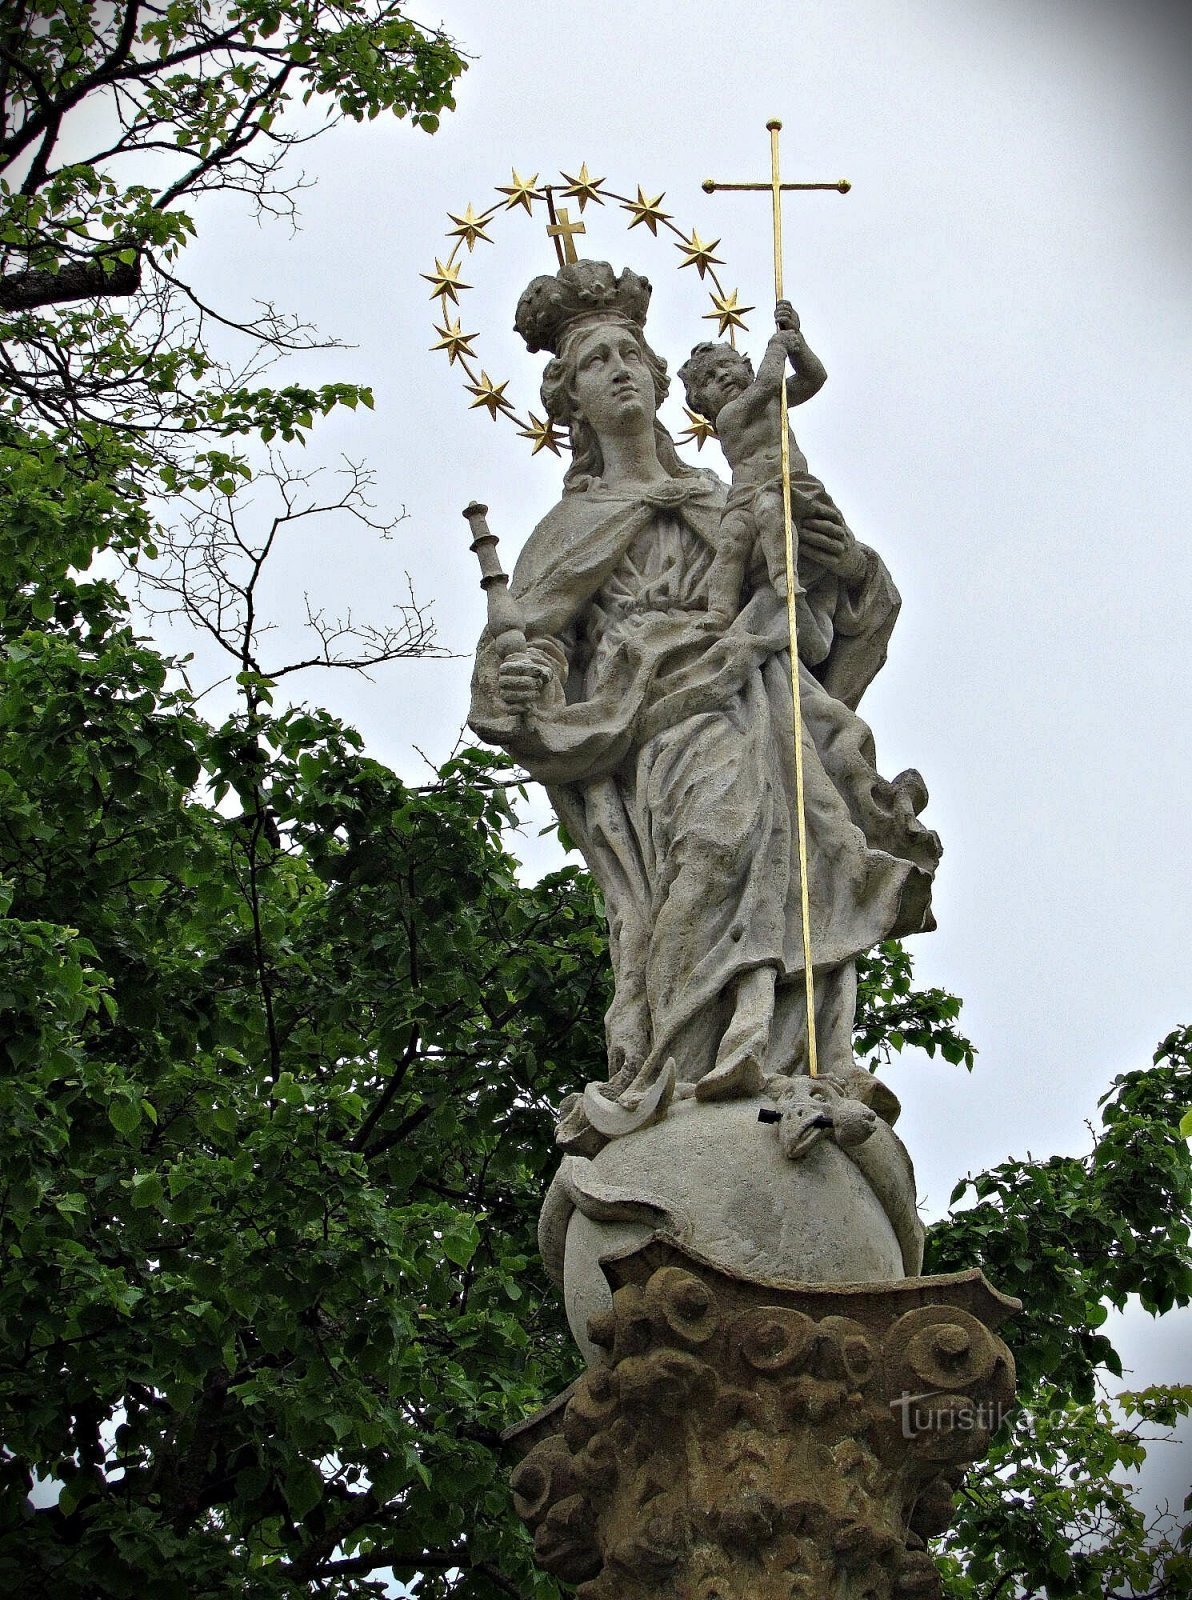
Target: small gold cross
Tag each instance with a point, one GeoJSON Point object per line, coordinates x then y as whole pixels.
{"type": "Point", "coordinates": [566, 230]}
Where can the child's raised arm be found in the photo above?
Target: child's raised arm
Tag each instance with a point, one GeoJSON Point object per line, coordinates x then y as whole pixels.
{"type": "Point", "coordinates": [809, 374]}
{"type": "Point", "coordinates": [771, 368]}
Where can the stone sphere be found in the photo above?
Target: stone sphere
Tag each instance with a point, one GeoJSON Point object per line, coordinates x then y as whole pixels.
{"type": "Point", "coordinates": [736, 1199]}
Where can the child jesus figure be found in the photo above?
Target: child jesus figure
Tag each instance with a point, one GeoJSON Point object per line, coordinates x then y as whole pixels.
{"type": "Point", "coordinates": [746, 411]}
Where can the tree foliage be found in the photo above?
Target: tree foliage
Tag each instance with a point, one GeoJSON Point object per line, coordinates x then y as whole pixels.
{"type": "Point", "coordinates": [275, 1097]}
{"type": "Point", "coordinates": [1047, 1512]}
{"type": "Point", "coordinates": [1072, 1235]}
{"type": "Point", "coordinates": [892, 1013]}
{"type": "Point", "coordinates": [115, 120]}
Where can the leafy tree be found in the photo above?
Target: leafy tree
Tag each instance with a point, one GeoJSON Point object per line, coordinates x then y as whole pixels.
{"type": "Point", "coordinates": [267, 1068]}
{"type": "Point", "coordinates": [115, 120]}
{"type": "Point", "coordinates": [1046, 1512]}
{"type": "Point", "coordinates": [1073, 1234]}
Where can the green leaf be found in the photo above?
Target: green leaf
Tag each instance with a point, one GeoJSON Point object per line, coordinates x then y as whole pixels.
{"type": "Point", "coordinates": [147, 1191]}
{"type": "Point", "coordinates": [303, 1490]}
{"type": "Point", "coordinates": [460, 1242]}
{"type": "Point", "coordinates": [125, 1115]}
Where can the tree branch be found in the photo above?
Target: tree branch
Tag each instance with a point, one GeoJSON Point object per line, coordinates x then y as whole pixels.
{"type": "Point", "coordinates": [77, 280]}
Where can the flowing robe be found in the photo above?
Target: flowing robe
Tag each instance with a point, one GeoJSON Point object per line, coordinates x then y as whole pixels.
{"type": "Point", "coordinates": [667, 750]}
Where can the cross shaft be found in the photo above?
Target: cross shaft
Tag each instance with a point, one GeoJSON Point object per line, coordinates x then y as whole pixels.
{"type": "Point", "coordinates": [776, 188]}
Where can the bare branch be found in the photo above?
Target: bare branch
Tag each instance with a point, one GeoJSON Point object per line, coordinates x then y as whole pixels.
{"type": "Point", "coordinates": [272, 327]}
{"type": "Point", "coordinates": [213, 567]}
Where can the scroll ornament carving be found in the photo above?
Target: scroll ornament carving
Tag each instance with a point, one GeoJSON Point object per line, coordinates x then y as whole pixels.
{"type": "Point", "coordinates": [735, 1447]}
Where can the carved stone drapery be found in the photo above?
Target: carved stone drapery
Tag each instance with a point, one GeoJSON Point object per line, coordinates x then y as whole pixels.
{"type": "Point", "coordinates": [745, 1440]}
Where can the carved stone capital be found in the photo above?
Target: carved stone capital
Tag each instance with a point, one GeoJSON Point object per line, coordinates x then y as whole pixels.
{"type": "Point", "coordinates": [745, 1440]}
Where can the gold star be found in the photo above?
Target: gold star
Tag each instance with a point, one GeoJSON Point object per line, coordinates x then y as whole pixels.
{"type": "Point", "coordinates": [469, 227]}
{"type": "Point", "coordinates": [729, 312]}
{"type": "Point", "coordinates": [698, 254]}
{"type": "Point", "coordinates": [454, 341]}
{"type": "Point", "coordinates": [584, 187]}
{"type": "Point", "coordinates": [544, 434]}
{"type": "Point", "coordinates": [699, 431]}
{"type": "Point", "coordinates": [521, 192]}
{"type": "Point", "coordinates": [647, 211]}
{"type": "Point", "coordinates": [445, 280]}
{"type": "Point", "coordinates": [489, 394]}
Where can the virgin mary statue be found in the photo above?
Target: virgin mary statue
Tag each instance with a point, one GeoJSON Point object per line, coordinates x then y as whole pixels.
{"type": "Point", "coordinates": [664, 736]}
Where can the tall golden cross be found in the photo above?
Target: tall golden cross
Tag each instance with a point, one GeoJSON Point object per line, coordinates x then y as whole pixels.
{"type": "Point", "coordinates": [562, 230]}
{"type": "Point", "coordinates": [776, 188]}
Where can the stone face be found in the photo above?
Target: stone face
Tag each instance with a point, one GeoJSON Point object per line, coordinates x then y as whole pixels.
{"type": "Point", "coordinates": [744, 1440]}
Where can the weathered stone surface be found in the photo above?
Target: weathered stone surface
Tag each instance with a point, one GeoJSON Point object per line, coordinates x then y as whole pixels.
{"type": "Point", "coordinates": [780, 1199]}
{"type": "Point", "coordinates": [743, 1440]}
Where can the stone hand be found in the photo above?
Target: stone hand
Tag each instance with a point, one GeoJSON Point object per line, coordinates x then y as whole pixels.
{"type": "Point", "coordinates": [786, 318]}
{"type": "Point", "coordinates": [521, 679]}
{"type": "Point", "coordinates": [826, 537]}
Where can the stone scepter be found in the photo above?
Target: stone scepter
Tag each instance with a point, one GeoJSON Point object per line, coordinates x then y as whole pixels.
{"type": "Point", "coordinates": [504, 616]}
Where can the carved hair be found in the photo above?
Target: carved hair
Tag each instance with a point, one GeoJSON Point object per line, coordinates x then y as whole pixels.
{"type": "Point", "coordinates": [559, 398]}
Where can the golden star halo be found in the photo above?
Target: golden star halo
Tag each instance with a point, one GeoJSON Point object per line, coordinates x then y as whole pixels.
{"type": "Point", "coordinates": [700, 430]}
{"type": "Point", "coordinates": [728, 311]}
{"type": "Point", "coordinates": [545, 435]}
{"type": "Point", "coordinates": [583, 187]}
{"type": "Point", "coordinates": [698, 254]}
{"type": "Point", "coordinates": [470, 227]}
{"type": "Point", "coordinates": [521, 192]}
{"type": "Point", "coordinates": [648, 211]}
{"type": "Point", "coordinates": [490, 395]}
{"type": "Point", "coordinates": [445, 281]}
{"type": "Point", "coordinates": [454, 341]}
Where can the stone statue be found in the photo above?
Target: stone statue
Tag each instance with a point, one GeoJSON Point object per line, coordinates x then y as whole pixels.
{"type": "Point", "coordinates": [662, 728]}
{"type": "Point", "coordinates": [666, 744]}
{"type": "Point", "coordinates": [737, 1240]}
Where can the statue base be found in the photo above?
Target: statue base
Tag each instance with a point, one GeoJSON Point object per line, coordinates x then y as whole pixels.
{"type": "Point", "coordinates": [749, 1440]}
{"type": "Point", "coordinates": [735, 1183]}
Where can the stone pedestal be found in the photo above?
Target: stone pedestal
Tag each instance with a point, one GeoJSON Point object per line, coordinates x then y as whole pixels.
{"type": "Point", "coordinates": [745, 1440]}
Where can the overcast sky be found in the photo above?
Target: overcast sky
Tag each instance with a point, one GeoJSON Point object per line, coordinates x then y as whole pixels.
{"type": "Point", "coordinates": [1003, 307]}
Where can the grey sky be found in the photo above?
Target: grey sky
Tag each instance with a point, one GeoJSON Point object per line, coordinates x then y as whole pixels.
{"type": "Point", "coordinates": [1002, 305]}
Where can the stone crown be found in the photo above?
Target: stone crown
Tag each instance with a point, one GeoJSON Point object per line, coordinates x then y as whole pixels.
{"type": "Point", "coordinates": [578, 292]}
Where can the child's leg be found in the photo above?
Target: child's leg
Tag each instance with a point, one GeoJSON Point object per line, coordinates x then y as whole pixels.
{"type": "Point", "coordinates": [728, 567]}
{"type": "Point", "coordinates": [771, 529]}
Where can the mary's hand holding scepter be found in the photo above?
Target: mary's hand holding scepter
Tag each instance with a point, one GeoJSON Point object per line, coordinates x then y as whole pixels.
{"type": "Point", "coordinates": [521, 676]}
